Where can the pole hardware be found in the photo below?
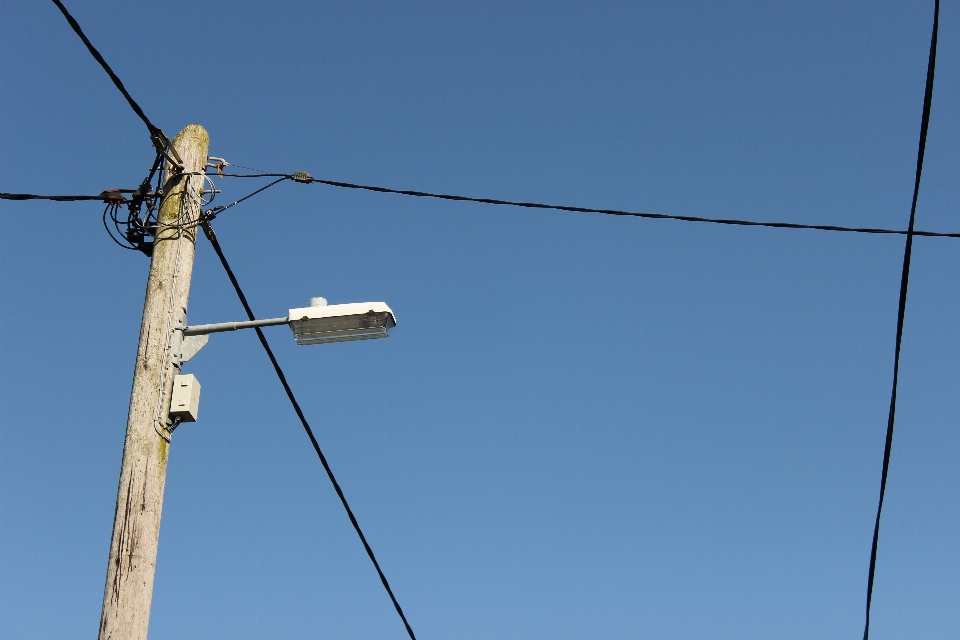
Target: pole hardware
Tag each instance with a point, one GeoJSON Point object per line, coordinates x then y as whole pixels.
{"type": "Point", "coordinates": [162, 144]}
{"type": "Point", "coordinates": [185, 346]}
{"type": "Point", "coordinates": [184, 401]}
{"type": "Point", "coordinates": [188, 340]}
{"type": "Point", "coordinates": [214, 162]}
{"type": "Point", "coordinates": [220, 327]}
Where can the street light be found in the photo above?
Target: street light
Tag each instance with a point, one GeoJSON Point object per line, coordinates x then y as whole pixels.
{"type": "Point", "coordinates": [319, 323]}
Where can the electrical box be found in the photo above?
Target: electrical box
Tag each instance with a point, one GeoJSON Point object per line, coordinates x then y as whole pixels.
{"type": "Point", "coordinates": [185, 401]}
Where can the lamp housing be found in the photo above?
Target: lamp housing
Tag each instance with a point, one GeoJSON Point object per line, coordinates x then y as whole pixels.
{"type": "Point", "coordinates": [321, 323]}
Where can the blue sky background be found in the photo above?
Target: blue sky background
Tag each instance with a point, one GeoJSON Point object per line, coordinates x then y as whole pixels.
{"type": "Point", "coordinates": [583, 426]}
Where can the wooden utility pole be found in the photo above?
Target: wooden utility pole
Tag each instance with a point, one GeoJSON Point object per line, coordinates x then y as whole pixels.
{"type": "Point", "coordinates": [136, 526]}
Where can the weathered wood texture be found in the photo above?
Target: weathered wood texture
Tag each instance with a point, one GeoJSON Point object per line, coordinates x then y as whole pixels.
{"type": "Point", "coordinates": [136, 527]}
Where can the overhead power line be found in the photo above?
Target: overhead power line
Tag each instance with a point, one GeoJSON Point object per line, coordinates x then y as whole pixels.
{"type": "Point", "coordinates": [164, 149]}
{"type": "Point", "coordinates": [281, 177]}
{"type": "Point", "coordinates": [305, 178]}
{"type": "Point", "coordinates": [135, 231]}
{"type": "Point", "coordinates": [212, 237]}
{"type": "Point", "coordinates": [103, 197]}
{"type": "Point", "coordinates": [159, 139]}
{"type": "Point", "coordinates": [902, 307]}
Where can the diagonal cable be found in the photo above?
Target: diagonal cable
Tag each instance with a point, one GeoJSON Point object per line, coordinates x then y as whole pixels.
{"type": "Point", "coordinates": [160, 140]}
{"type": "Point", "coordinates": [212, 237]}
{"type": "Point", "coordinates": [215, 211]}
{"type": "Point", "coordinates": [904, 281]}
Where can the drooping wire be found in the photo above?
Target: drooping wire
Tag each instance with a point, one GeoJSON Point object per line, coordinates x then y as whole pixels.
{"type": "Point", "coordinates": [137, 230]}
{"type": "Point", "coordinates": [130, 231]}
{"type": "Point", "coordinates": [212, 237]}
{"type": "Point", "coordinates": [611, 212]}
{"type": "Point", "coordinates": [902, 307]}
{"type": "Point", "coordinates": [111, 212]}
{"type": "Point", "coordinates": [159, 139]}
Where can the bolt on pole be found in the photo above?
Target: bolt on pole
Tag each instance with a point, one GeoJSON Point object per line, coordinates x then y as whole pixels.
{"type": "Point", "coordinates": [136, 528]}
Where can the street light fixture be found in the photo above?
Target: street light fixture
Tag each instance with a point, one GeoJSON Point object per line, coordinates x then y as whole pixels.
{"type": "Point", "coordinates": [319, 323]}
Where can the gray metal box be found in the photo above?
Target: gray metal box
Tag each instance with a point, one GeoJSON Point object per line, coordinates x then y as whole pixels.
{"type": "Point", "coordinates": [185, 401]}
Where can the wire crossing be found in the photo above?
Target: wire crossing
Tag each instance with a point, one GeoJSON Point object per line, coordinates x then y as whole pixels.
{"type": "Point", "coordinates": [165, 150]}
{"type": "Point", "coordinates": [212, 237]}
{"type": "Point", "coordinates": [902, 308]}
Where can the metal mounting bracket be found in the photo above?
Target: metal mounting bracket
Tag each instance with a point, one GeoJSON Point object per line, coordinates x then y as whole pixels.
{"type": "Point", "coordinates": [187, 341]}
{"type": "Point", "coordinates": [185, 347]}
{"type": "Point", "coordinates": [191, 345]}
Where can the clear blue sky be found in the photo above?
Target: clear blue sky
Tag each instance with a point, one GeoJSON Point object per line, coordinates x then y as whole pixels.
{"type": "Point", "coordinates": [583, 426]}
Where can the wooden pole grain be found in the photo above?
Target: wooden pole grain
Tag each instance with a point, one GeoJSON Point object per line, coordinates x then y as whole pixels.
{"type": "Point", "coordinates": [136, 528]}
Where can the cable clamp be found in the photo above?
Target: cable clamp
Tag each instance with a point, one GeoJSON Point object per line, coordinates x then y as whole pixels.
{"type": "Point", "coordinates": [166, 431]}
{"type": "Point", "coordinates": [211, 213]}
{"type": "Point", "coordinates": [163, 432]}
{"type": "Point", "coordinates": [112, 196]}
{"type": "Point", "coordinates": [301, 176]}
{"type": "Point", "coordinates": [217, 163]}
{"type": "Point", "coordinates": [164, 148]}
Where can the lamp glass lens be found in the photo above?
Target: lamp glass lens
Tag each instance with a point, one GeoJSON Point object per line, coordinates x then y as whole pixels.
{"type": "Point", "coordinates": [366, 326]}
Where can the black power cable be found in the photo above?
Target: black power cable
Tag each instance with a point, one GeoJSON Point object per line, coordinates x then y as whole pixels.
{"type": "Point", "coordinates": [901, 310]}
{"type": "Point", "coordinates": [160, 140]}
{"type": "Point", "coordinates": [137, 228]}
{"type": "Point", "coordinates": [215, 211]}
{"type": "Point", "coordinates": [307, 179]}
{"type": "Point", "coordinates": [33, 196]}
{"type": "Point", "coordinates": [212, 237]}
{"type": "Point", "coordinates": [635, 214]}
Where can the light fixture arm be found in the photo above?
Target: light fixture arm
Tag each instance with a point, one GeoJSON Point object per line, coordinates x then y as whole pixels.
{"type": "Point", "coordinates": [205, 329]}
{"type": "Point", "coordinates": [317, 324]}
{"type": "Point", "coordinates": [189, 340]}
